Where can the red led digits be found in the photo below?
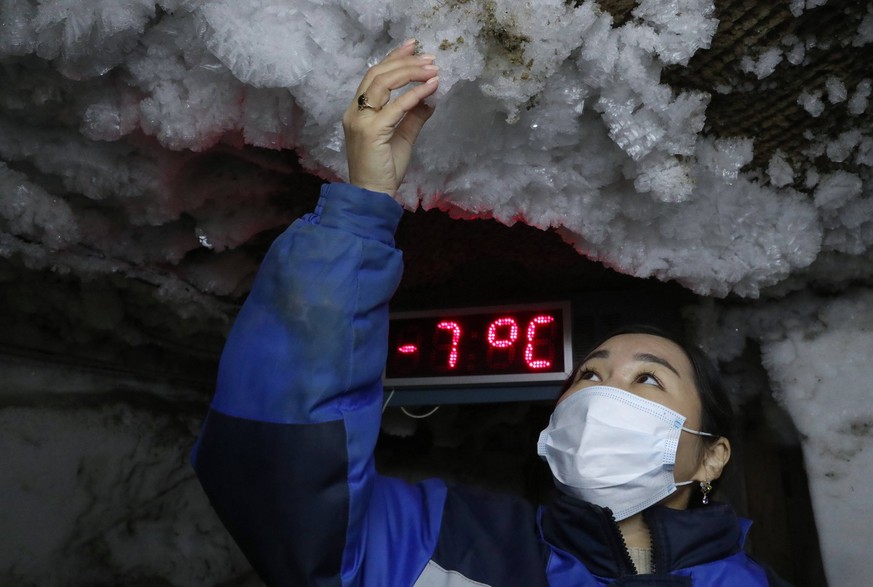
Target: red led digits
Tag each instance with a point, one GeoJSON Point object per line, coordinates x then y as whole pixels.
{"type": "Point", "coordinates": [407, 352]}
{"type": "Point", "coordinates": [544, 343]}
{"type": "Point", "coordinates": [502, 343]}
{"type": "Point", "coordinates": [471, 345]}
{"type": "Point", "coordinates": [453, 346]}
{"type": "Point", "coordinates": [501, 336]}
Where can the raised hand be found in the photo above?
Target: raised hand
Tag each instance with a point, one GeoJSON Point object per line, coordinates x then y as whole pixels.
{"type": "Point", "coordinates": [381, 131]}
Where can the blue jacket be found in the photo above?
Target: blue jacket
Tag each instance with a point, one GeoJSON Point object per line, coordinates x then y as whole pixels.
{"type": "Point", "coordinates": [286, 451]}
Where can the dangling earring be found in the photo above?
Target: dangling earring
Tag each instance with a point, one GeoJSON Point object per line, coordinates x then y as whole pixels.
{"type": "Point", "coordinates": [705, 489]}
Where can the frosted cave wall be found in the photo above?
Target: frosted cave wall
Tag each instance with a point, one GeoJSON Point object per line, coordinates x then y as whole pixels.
{"type": "Point", "coordinates": [98, 488]}
{"type": "Point", "coordinates": [146, 150]}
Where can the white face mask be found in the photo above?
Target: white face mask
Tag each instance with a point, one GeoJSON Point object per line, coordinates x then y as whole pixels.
{"type": "Point", "coordinates": [613, 448]}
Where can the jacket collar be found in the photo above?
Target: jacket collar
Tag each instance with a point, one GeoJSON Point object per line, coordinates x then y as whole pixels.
{"type": "Point", "coordinates": [680, 538]}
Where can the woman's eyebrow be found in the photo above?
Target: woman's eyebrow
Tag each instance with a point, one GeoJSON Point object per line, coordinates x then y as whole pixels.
{"type": "Point", "coordinates": [648, 358]}
{"type": "Point", "coordinates": [598, 354]}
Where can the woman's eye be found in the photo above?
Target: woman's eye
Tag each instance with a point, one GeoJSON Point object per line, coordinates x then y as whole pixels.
{"type": "Point", "coordinates": [648, 379]}
{"type": "Point", "coordinates": [588, 375]}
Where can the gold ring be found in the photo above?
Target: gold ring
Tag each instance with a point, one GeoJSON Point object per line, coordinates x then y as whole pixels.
{"type": "Point", "coordinates": [364, 103]}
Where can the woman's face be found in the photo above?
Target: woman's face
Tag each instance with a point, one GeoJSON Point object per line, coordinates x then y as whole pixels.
{"type": "Point", "coordinates": [658, 370]}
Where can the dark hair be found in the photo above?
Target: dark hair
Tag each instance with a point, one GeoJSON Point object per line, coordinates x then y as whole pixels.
{"type": "Point", "coordinates": [717, 412]}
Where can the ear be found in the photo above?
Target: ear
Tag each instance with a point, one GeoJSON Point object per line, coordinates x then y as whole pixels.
{"type": "Point", "coordinates": [714, 460]}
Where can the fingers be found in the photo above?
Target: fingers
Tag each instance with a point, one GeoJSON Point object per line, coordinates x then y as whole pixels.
{"type": "Point", "coordinates": [385, 77]}
{"type": "Point", "coordinates": [402, 55]}
{"type": "Point", "coordinates": [379, 91]}
{"type": "Point", "coordinates": [403, 51]}
{"type": "Point", "coordinates": [396, 112]}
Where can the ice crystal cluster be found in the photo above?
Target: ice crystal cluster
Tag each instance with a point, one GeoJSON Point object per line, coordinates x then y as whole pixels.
{"type": "Point", "coordinates": [549, 113]}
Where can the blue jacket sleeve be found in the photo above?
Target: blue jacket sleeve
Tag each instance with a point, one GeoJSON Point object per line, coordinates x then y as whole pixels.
{"type": "Point", "coordinates": [285, 453]}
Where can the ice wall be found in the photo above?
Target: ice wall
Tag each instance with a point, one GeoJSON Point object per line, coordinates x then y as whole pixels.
{"type": "Point", "coordinates": [817, 353]}
{"type": "Point", "coordinates": [97, 488]}
{"type": "Point", "coordinates": [143, 140]}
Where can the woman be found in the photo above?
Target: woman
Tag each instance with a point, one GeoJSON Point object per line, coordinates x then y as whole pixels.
{"type": "Point", "coordinates": [286, 452]}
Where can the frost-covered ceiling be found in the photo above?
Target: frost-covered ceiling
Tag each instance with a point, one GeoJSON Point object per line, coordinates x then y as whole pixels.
{"type": "Point", "coordinates": [149, 151]}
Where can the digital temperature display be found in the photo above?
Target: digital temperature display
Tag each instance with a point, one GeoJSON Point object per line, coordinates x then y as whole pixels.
{"type": "Point", "coordinates": [505, 344]}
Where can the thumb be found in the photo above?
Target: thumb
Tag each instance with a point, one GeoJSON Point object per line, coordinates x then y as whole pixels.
{"type": "Point", "coordinates": [411, 125]}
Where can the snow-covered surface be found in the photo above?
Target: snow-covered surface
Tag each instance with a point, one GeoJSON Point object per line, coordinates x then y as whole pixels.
{"type": "Point", "coordinates": [823, 380]}
{"type": "Point", "coordinates": [548, 113]}
{"type": "Point", "coordinates": [817, 354]}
